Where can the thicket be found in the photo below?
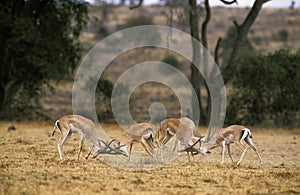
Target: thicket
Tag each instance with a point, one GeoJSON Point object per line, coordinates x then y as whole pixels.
{"type": "Point", "coordinates": [266, 90]}
{"type": "Point", "coordinates": [38, 44]}
{"type": "Point", "coordinates": [172, 61]}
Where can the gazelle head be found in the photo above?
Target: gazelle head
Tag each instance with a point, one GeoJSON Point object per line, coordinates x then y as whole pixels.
{"type": "Point", "coordinates": [124, 151]}
{"type": "Point", "coordinates": [204, 149]}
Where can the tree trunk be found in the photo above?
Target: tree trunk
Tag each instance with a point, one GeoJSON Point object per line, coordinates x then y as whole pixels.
{"type": "Point", "coordinates": [195, 74]}
{"type": "Point", "coordinates": [242, 36]}
{"type": "Point", "coordinates": [205, 59]}
{"type": "Point", "coordinates": [1, 100]}
{"type": "Point", "coordinates": [7, 94]}
{"type": "Point", "coordinates": [5, 104]}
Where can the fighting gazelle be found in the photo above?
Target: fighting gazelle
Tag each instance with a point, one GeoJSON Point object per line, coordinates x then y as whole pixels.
{"type": "Point", "coordinates": [183, 129]}
{"type": "Point", "coordinates": [87, 131]}
{"type": "Point", "coordinates": [232, 134]}
{"type": "Point", "coordinates": [141, 133]}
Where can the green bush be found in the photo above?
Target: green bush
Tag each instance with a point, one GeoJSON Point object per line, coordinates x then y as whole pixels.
{"type": "Point", "coordinates": [266, 90]}
{"type": "Point", "coordinates": [103, 104]}
{"type": "Point", "coordinates": [283, 35]}
{"type": "Point", "coordinates": [172, 61]}
{"type": "Point", "coordinates": [228, 43]}
{"type": "Point", "coordinates": [137, 21]}
{"type": "Point", "coordinates": [39, 44]}
{"type": "Point", "coordinates": [140, 20]}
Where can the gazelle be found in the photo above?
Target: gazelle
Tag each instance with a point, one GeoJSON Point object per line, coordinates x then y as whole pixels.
{"type": "Point", "coordinates": [86, 129]}
{"type": "Point", "coordinates": [75, 124]}
{"type": "Point", "coordinates": [141, 133]}
{"type": "Point", "coordinates": [184, 129]}
{"type": "Point", "coordinates": [232, 134]}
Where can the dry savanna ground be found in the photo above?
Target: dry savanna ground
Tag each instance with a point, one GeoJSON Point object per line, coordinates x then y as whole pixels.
{"type": "Point", "coordinates": [30, 165]}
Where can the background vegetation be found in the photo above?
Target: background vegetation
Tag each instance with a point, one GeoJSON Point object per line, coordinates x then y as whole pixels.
{"type": "Point", "coordinates": [34, 54]}
{"type": "Point", "coordinates": [38, 44]}
{"type": "Point", "coordinates": [266, 90]}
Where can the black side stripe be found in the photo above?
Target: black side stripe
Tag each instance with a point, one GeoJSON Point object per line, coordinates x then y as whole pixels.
{"type": "Point", "coordinates": [59, 127]}
{"type": "Point", "coordinates": [243, 131]}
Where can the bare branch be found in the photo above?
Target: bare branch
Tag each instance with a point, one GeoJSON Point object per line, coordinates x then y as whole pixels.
{"type": "Point", "coordinates": [236, 24]}
{"type": "Point", "coordinates": [217, 50]}
{"type": "Point", "coordinates": [205, 23]}
{"type": "Point", "coordinates": [229, 2]}
{"type": "Point", "coordinates": [137, 5]}
{"type": "Point", "coordinates": [242, 35]}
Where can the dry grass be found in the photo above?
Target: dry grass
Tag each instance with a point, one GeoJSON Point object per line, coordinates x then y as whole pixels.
{"type": "Point", "coordinates": [30, 165]}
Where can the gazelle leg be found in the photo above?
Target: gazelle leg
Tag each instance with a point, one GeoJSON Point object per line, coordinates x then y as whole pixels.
{"type": "Point", "coordinates": [250, 143]}
{"type": "Point", "coordinates": [61, 153]}
{"type": "Point", "coordinates": [176, 142]}
{"type": "Point", "coordinates": [229, 153]}
{"type": "Point", "coordinates": [178, 147]}
{"type": "Point", "coordinates": [88, 155]}
{"type": "Point", "coordinates": [244, 152]}
{"type": "Point", "coordinates": [146, 146]}
{"type": "Point", "coordinates": [223, 151]}
{"type": "Point", "coordinates": [167, 138]}
{"type": "Point", "coordinates": [60, 145]}
{"type": "Point", "coordinates": [161, 148]}
{"type": "Point", "coordinates": [188, 153]}
{"type": "Point", "coordinates": [159, 152]}
{"type": "Point", "coordinates": [189, 157]}
{"type": "Point", "coordinates": [80, 147]}
{"type": "Point", "coordinates": [130, 149]}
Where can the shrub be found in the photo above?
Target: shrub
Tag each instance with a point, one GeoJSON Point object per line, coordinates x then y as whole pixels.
{"type": "Point", "coordinates": [171, 60]}
{"type": "Point", "coordinates": [266, 90]}
{"type": "Point", "coordinates": [283, 35]}
{"type": "Point", "coordinates": [228, 43]}
{"type": "Point", "coordinates": [140, 20]}
{"type": "Point", "coordinates": [103, 104]}
{"type": "Point", "coordinates": [137, 21]}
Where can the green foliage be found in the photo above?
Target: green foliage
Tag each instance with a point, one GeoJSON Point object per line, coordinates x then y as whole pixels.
{"type": "Point", "coordinates": [137, 21]}
{"type": "Point", "coordinates": [105, 87]}
{"type": "Point", "coordinates": [99, 25]}
{"type": "Point", "coordinates": [103, 96]}
{"type": "Point", "coordinates": [105, 116]}
{"type": "Point", "coordinates": [171, 60]}
{"type": "Point", "coordinates": [257, 40]}
{"type": "Point", "coordinates": [38, 43]}
{"type": "Point", "coordinates": [140, 20]}
{"type": "Point", "coordinates": [283, 35]}
{"type": "Point", "coordinates": [228, 43]}
{"type": "Point", "coordinates": [266, 90]}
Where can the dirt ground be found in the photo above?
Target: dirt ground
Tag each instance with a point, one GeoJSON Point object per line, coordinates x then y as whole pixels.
{"type": "Point", "coordinates": [30, 165]}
